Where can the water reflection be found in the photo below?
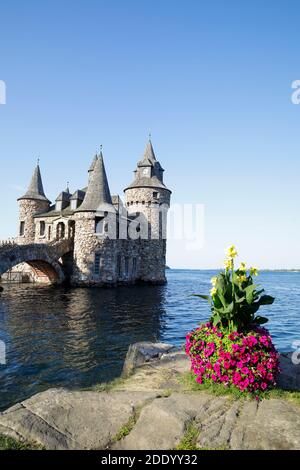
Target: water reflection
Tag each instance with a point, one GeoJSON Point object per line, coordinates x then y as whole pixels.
{"type": "Point", "coordinates": [72, 337]}
{"type": "Point", "coordinates": [78, 337]}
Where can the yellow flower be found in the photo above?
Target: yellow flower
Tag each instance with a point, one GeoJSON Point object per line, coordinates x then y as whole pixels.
{"type": "Point", "coordinates": [242, 267]}
{"type": "Point", "coordinates": [253, 272]}
{"type": "Point", "coordinates": [228, 263]}
{"type": "Point", "coordinates": [231, 252]}
{"type": "Point", "coordinates": [213, 291]}
{"type": "Point", "coordinates": [242, 278]}
{"type": "Point", "coordinates": [214, 280]}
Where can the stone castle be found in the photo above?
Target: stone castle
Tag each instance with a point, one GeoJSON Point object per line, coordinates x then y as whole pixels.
{"type": "Point", "coordinates": [111, 242]}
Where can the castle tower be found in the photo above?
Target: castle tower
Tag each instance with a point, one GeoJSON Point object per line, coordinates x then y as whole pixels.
{"type": "Point", "coordinates": [94, 252]}
{"type": "Point", "coordinates": [149, 199]}
{"type": "Point", "coordinates": [32, 203]}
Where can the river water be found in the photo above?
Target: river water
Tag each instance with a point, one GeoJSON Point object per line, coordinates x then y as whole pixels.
{"type": "Point", "coordinates": [57, 336]}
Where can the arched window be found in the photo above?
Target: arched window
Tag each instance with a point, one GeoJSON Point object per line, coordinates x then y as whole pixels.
{"type": "Point", "coordinates": [22, 229]}
{"type": "Point", "coordinates": [126, 267]}
{"type": "Point", "coordinates": [97, 265]}
{"type": "Point", "coordinates": [134, 267]}
{"type": "Point", "coordinates": [99, 225]}
{"type": "Point", "coordinates": [119, 266]}
{"type": "Point", "coordinates": [71, 226]}
{"type": "Point", "coordinates": [42, 228]}
{"type": "Point", "coordinates": [60, 231]}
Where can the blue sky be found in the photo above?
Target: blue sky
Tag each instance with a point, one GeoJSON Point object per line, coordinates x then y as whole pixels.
{"type": "Point", "coordinates": [210, 80]}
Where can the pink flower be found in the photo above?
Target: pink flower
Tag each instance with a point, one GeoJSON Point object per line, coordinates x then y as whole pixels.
{"type": "Point", "coordinates": [250, 359]}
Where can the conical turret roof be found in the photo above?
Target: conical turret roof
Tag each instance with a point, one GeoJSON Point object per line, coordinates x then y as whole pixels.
{"type": "Point", "coordinates": [149, 158]}
{"type": "Point", "coordinates": [93, 163]}
{"type": "Point", "coordinates": [152, 178]}
{"type": "Point", "coordinates": [97, 197]}
{"type": "Point", "coordinates": [36, 189]}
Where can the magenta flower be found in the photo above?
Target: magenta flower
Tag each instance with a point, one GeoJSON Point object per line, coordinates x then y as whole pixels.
{"type": "Point", "coordinates": [247, 361]}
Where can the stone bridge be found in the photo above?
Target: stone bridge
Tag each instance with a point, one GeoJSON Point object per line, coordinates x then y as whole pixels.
{"type": "Point", "coordinates": [44, 259]}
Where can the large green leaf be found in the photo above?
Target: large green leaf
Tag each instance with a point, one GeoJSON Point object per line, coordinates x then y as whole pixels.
{"type": "Point", "coordinates": [205, 297]}
{"type": "Point", "coordinates": [228, 309]}
{"type": "Point", "coordinates": [260, 320]}
{"type": "Point", "coordinates": [266, 300]}
{"type": "Point", "coordinates": [216, 319]}
{"type": "Point", "coordinates": [250, 293]}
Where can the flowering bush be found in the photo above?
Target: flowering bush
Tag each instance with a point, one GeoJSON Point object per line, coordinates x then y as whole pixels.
{"type": "Point", "coordinates": [233, 349]}
{"type": "Point", "coordinates": [247, 360]}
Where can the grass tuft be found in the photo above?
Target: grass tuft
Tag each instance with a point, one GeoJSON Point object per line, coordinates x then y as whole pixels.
{"type": "Point", "coordinates": [125, 430]}
{"type": "Point", "coordinates": [189, 440]}
{"type": "Point", "coordinates": [8, 443]}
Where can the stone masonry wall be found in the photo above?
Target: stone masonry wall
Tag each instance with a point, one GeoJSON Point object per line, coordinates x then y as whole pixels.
{"type": "Point", "coordinates": [120, 260]}
{"type": "Point", "coordinates": [27, 209]}
{"type": "Point", "coordinates": [153, 251]}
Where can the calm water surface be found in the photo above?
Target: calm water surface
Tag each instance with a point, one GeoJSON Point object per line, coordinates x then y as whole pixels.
{"type": "Point", "coordinates": [79, 337]}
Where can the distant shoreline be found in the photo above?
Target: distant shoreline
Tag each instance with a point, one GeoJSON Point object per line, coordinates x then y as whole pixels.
{"type": "Point", "coordinates": [283, 270]}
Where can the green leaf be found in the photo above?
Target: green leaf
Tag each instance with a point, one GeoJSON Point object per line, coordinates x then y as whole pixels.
{"type": "Point", "coordinates": [250, 293]}
{"type": "Point", "coordinates": [261, 320]}
{"type": "Point", "coordinates": [205, 297]}
{"type": "Point", "coordinates": [266, 300]}
{"type": "Point", "coordinates": [239, 300]}
{"type": "Point", "coordinates": [228, 309]}
{"type": "Point", "coordinates": [216, 319]}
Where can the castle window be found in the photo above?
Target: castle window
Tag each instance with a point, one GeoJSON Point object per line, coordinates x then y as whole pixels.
{"type": "Point", "coordinates": [49, 233]}
{"type": "Point", "coordinates": [155, 195]}
{"type": "Point", "coordinates": [22, 229]}
{"type": "Point", "coordinates": [119, 266]}
{"type": "Point", "coordinates": [58, 206]}
{"type": "Point", "coordinates": [74, 204]}
{"type": "Point", "coordinates": [60, 231]}
{"type": "Point", "coordinates": [42, 229]}
{"type": "Point", "coordinates": [126, 267]}
{"type": "Point", "coordinates": [99, 225]}
{"type": "Point", "coordinates": [134, 266]}
{"type": "Point", "coordinates": [97, 264]}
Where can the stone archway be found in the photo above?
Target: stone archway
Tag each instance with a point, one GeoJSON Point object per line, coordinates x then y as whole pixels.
{"type": "Point", "coordinates": [43, 259]}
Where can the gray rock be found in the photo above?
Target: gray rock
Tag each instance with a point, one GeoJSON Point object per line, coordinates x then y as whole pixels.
{"type": "Point", "coordinates": [268, 425]}
{"type": "Point", "coordinates": [60, 419]}
{"type": "Point", "coordinates": [164, 409]}
{"type": "Point", "coordinates": [140, 353]}
{"type": "Point", "coordinates": [289, 379]}
{"type": "Point", "coordinates": [163, 423]}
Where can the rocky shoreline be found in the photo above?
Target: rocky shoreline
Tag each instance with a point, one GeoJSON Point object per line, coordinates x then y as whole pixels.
{"type": "Point", "coordinates": [154, 407]}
